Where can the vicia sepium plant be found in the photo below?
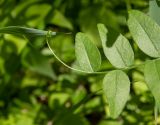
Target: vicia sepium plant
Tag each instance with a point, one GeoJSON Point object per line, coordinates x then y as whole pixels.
{"type": "Point", "coordinates": [116, 84]}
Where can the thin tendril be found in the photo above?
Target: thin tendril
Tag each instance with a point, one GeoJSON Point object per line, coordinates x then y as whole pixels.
{"type": "Point", "coordinates": [48, 36]}
{"type": "Point", "coordinates": [78, 70]}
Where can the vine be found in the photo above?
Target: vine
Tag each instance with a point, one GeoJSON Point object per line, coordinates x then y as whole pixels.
{"type": "Point", "coordinates": [116, 84]}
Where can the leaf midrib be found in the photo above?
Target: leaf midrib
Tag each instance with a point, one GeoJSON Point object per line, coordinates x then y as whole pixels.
{"type": "Point", "coordinates": [124, 63]}
{"type": "Point", "coordinates": [115, 94]}
{"type": "Point", "coordinates": [88, 59]}
{"type": "Point", "coordinates": [105, 47]}
{"type": "Point", "coordinates": [147, 34]}
{"type": "Point", "coordinates": [156, 67]}
{"type": "Point", "coordinates": [116, 79]}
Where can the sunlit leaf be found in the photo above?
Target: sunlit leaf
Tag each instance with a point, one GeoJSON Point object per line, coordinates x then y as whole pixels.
{"type": "Point", "coordinates": [116, 86]}
{"type": "Point", "coordinates": [152, 78]}
{"type": "Point", "coordinates": [144, 31]}
{"type": "Point", "coordinates": [154, 10]}
{"type": "Point", "coordinates": [87, 53]}
{"type": "Point", "coordinates": [120, 53]}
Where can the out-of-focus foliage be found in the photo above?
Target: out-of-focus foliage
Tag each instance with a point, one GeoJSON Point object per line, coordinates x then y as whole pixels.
{"type": "Point", "coordinates": [35, 89]}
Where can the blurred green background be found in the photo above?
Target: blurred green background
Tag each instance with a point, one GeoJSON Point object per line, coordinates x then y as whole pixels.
{"type": "Point", "coordinates": [36, 89]}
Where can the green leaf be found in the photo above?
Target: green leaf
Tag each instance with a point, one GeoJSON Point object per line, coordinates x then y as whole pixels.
{"type": "Point", "coordinates": [29, 32]}
{"type": "Point", "coordinates": [87, 53]}
{"type": "Point", "coordinates": [144, 31]}
{"type": "Point", "coordinates": [19, 42]}
{"type": "Point", "coordinates": [36, 14]}
{"type": "Point", "coordinates": [152, 78]}
{"type": "Point", "coordinates": [116, 86]}
{"type": "Point", "coordinates": [60, 20]}
{"type": "Point", "coordinates": [110, 122]}
{"type": "Point", "coordinates": [120, 54]}
{"type": "Point", "coordinates": [154, 10]}
{"type": "Point", "coordinates": [57, 99]}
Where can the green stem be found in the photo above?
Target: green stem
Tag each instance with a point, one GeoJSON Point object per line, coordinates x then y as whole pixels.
{"type": "Point", "coordinates": [78, 70]}
{"type": "Point", "coordinates": [82, 71]}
